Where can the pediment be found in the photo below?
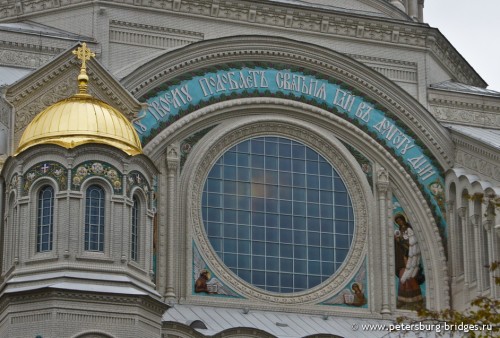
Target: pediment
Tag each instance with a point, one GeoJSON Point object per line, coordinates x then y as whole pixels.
{"type": "Point", "coordinates": [57, 80]}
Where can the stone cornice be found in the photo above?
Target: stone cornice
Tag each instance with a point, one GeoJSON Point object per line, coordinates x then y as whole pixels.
{"type": "Point", "coordinates": [44, 294]}
{"type": "Point", "coordinates": [463, 100]}
{"type": "Point", "coordinates": [288, 16]}
{"type": "Point", "coordinates": [159, 29]}
{"type": "Point", "coordinates": [28, 47]}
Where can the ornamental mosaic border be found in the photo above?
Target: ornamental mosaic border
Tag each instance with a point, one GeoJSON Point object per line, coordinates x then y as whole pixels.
{"type": "Point", "coordinates": [88, 169]}
{"type": "Point", "coordinates": [50, 169]}
{"type": "Point", "coordinates": [437, 212]}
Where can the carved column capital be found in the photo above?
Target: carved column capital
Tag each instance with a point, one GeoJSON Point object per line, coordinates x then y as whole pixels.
{"type": "Point", "coordinates": [382, 180]}
{"type": "Point", "coordinates": [173, 157]}
{"type": "Point", "coordinates": [461, 212]}
{"type": "Point", "coordinates": [474, 219]}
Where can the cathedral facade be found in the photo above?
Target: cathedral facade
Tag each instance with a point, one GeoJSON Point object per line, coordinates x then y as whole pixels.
{"type": "Point", "coordinates": [270, 168]}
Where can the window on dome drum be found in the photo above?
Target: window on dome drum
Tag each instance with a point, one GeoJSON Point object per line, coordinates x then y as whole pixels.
{"type": "Point", "coordinates": [135, 229]}
{"type": "Point", "coordinates": [94, 219]}
{"type": "Point", "coordinates": [45, 219]}
{"type": "Point", "coordinates": [277, 214]}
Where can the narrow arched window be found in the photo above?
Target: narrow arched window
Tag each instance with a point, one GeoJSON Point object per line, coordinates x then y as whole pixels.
{"type": "Point", "coordinates": [45, 219]}
{"type": "Point", "coordinates": [135, 229]}
{"type": "Point", "coordinates": [94, 219]}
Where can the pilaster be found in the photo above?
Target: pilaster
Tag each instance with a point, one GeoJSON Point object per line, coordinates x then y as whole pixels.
{"type": "Point", "coordinates": [172, 163]}
{"type": "Point", "coordinates": [382, 189]}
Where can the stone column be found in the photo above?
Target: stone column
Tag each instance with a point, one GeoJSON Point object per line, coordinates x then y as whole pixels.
{"type": "Point", "coordinates": [382, 187]}
{"type": "Point", "coordinates": [173, 161]}
{"type": "Point", "coordinates": [161, 259]}
{"type": "Point", "coordinates": [462, 214]}
{"type": "Point", "coordinates": [452, 245]}
{"type": "Point", "coordinates": [413, 9]}
{"type": "Point", "coordinates": [421, 10]}
{"type": "Point", "coordinates": [475, 221]}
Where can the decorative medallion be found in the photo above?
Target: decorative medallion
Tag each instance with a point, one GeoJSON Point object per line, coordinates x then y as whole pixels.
{"type": "Point", "coordinates": [89, 169]}
{"type": "Point", "coordinates": [45, 169]}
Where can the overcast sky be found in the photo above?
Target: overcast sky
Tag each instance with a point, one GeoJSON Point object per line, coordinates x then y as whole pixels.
{"type": "Point", "coordinates": [473, 27]}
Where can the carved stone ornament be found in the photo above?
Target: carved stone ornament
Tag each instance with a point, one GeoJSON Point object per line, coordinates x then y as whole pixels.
{"type": "Point", "coordinates": [470, 117]}
{"type": "Point", "coordinates": [478, 164]}
{"type": "Point", "coordinates": [382, 179]}
{"type": "Point", "coordinates": [26, 114]}
{"type": "Point", "coordinates": [346, 171]}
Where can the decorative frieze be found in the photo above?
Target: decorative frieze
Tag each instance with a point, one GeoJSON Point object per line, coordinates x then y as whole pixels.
{"type": "Point", "coordinates": [19, 58]}
{"type": "Point", "coordinates": [397, 70]}
{"type": "Point", "coordinates": [466, 116]}
{"type": "Point", "coordinates": [151, 36]}
{"type": "Point", "coordinates": [478, 164]}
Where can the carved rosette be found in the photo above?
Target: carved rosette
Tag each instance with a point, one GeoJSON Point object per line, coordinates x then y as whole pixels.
{"type": "Point", "coordinates": [345, 170]}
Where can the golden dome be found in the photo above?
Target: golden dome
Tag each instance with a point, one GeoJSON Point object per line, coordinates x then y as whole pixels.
{"type": "Point", "coordinates": [78, 120]}
{"type": "Point", "coordinates": [81, 119]}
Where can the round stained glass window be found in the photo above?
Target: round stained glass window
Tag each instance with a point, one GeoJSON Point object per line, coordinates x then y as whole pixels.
{"type": "Point", "coordinates": [277, 214]}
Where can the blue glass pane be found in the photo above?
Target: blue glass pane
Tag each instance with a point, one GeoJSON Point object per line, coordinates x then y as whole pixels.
{"type": "Point", "coordinates": [244, 246]}
{"type": "Point", "coordinates": [314, 268]}
{"type": "Point", "coordinates": [272, 264]}
{"type": "Point", "coordinates": [230, 230]}
{"type": "Point", "coordinates": [243, 261]}
{"type": "Point", "coordinates": [243, 174]}
{"type": "Point", "coordinates": [285, 179]}
{"type": "Point", "coordinates": [272, 163]}
{"type": "Point", "coordinates": [313, 224]}
{"type": "Point", "coordinates": [271, 148]}
{"type": "Point", "coordinates": [286, 265]}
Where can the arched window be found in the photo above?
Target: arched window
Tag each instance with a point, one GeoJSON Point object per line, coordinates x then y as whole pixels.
{"type": "Point", "coordinates": [94, 219]}
{"type": "Point", "coordinates": [135, 229]}
{"type": "Point", "coordinates": [45, 219]}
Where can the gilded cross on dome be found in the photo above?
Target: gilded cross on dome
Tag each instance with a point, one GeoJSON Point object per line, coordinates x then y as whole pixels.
{"type": "Point", "coordinates": [83, 54]}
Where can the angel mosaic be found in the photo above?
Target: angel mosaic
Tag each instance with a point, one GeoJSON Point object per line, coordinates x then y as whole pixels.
{"type": "Point", "coordinates": [408, 269]}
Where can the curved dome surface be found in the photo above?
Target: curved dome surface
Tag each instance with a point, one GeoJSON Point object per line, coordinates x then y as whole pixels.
{"type": "Point", "coordinates": [78, 120]}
